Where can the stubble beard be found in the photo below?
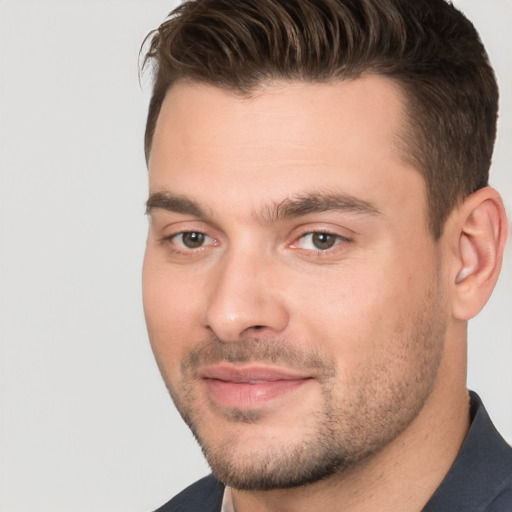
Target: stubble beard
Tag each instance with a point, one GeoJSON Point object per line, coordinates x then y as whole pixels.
{"type": "Point", "coordinates": [348, 428]}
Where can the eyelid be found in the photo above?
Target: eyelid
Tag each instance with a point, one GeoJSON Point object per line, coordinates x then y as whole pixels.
{"type": "Point", "coordinates": [176, 240]}
{"type": "Point", "coordinates": [170, 236]}
{"type": "Point", "coordinates": [207, 240]}
{"type": "Point", "coordinates": [165, 228]}
{"type": "Point", "coordinates": [310, 231]}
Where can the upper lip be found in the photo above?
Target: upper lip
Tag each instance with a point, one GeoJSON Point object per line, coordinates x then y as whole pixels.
{"type": "Point", "coordinates": [250, 373]}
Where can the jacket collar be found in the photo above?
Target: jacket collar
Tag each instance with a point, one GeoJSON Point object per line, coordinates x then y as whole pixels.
{"type": "Point", "coordinates": [480, 472]}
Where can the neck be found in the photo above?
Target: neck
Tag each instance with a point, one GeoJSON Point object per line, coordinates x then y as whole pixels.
{"type": "Point", "coordinates": [400, 477]}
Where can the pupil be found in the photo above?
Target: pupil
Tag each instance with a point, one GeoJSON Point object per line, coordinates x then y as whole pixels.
{"type": "Point", "coordinates": [192, 239]}
{"type": "Point", "coordinates": [323, 240]}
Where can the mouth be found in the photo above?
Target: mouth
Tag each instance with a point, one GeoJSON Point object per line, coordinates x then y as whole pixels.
{"type": "Point", "coordinates": [250, 387]}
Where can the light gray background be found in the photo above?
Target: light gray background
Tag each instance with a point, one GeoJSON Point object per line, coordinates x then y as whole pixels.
{"type": "Point", "coordinates": [85, 422]}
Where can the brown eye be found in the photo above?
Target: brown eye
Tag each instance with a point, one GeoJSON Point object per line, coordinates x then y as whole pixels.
{"type": "Point", "coordinates": [319, 241]}
{"type": "Point", "coordinates": [323, 241]}
{"type": "Point", "coordinates": [192, 239]}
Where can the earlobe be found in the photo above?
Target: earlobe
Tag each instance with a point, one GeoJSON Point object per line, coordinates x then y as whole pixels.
{"type": "Point", "coordinates": [482, 235]}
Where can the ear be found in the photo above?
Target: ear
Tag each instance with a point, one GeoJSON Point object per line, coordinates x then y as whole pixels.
{"type": "Point", "coordinates": [479, 227]}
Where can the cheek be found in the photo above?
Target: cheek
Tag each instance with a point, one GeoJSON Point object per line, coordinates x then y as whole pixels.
{"type": "Point", "coordinates": [356, 312]}
{"type": "Point", "coordinates": [171, 311]}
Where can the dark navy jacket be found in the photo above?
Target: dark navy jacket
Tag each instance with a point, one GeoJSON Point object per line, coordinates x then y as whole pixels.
{"type": "Point", "coordinates": [480, 479]}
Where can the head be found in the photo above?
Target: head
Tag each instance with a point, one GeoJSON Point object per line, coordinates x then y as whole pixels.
{"type": "Point", "coordinates": [320, 226]}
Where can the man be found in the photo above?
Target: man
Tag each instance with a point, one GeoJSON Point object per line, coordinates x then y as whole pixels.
{"type": "Point", "coordinates": [321, 231]}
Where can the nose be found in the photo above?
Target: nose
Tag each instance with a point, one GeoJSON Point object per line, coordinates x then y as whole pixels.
{"type": "Point", "coordinates": [246, 299]}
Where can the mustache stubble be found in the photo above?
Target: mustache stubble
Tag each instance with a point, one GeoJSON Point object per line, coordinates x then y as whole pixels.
{"type": "Point", "coordinates": [257, 350]}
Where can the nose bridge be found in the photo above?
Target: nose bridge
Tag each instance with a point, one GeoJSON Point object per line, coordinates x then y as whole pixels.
{"type": "Point", "coordinates": [244, 297]}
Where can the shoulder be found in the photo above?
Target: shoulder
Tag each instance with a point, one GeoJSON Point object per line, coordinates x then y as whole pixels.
{"type": "Point", "coordinates": [481, 477]}
{"type": "Point", "coordinates": [503, 501]}
{"type": "Point", "coordinates": [205, 495]}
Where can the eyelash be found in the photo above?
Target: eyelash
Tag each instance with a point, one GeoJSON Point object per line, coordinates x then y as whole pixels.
{"type": "Point", "coordinates": [170, 240]}
{"type": "Point", "coordinates": [182, 249]}
{"type": "Point", "coordinates": [339, 239]}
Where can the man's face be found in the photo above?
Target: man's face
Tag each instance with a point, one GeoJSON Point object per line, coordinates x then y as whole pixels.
{"type": "Point", "coordinates": [291, 285]}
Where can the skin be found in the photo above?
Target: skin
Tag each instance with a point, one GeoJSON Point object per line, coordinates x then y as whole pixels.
{"type": "Point", "coordinates": [354, 302]}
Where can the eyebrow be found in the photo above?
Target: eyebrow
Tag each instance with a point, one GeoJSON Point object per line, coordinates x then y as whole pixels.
{"type": "Point", "coordinates": [317, 203]}
{"type": "Point", "coordinates": [289, 208]}
{"type": "Point", "coordinates": [174, 203]}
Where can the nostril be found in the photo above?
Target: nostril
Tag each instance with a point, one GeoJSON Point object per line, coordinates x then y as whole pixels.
{"type": "Point", "coordinates": [252, 329]}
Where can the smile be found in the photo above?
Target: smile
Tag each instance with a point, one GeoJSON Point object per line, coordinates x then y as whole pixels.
{"type": "Point", "coordinates": [249, 387]}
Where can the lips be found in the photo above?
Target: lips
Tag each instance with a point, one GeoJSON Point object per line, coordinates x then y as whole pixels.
{"type": "Point", "coordinates": [249, 387]}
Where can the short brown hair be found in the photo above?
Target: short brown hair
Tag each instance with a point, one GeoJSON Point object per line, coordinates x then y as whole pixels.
{"type": "Point", "coordinates": [427, 46]}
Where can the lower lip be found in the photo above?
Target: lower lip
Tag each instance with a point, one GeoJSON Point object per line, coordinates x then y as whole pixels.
{"type": "Point", "coordinates": [244, 395]}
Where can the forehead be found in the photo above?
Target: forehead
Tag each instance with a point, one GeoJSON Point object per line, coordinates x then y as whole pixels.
{"type": "Point", "coordinates": [285, 139]}
{"type": "Point", "coordinates": [340, 108]}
